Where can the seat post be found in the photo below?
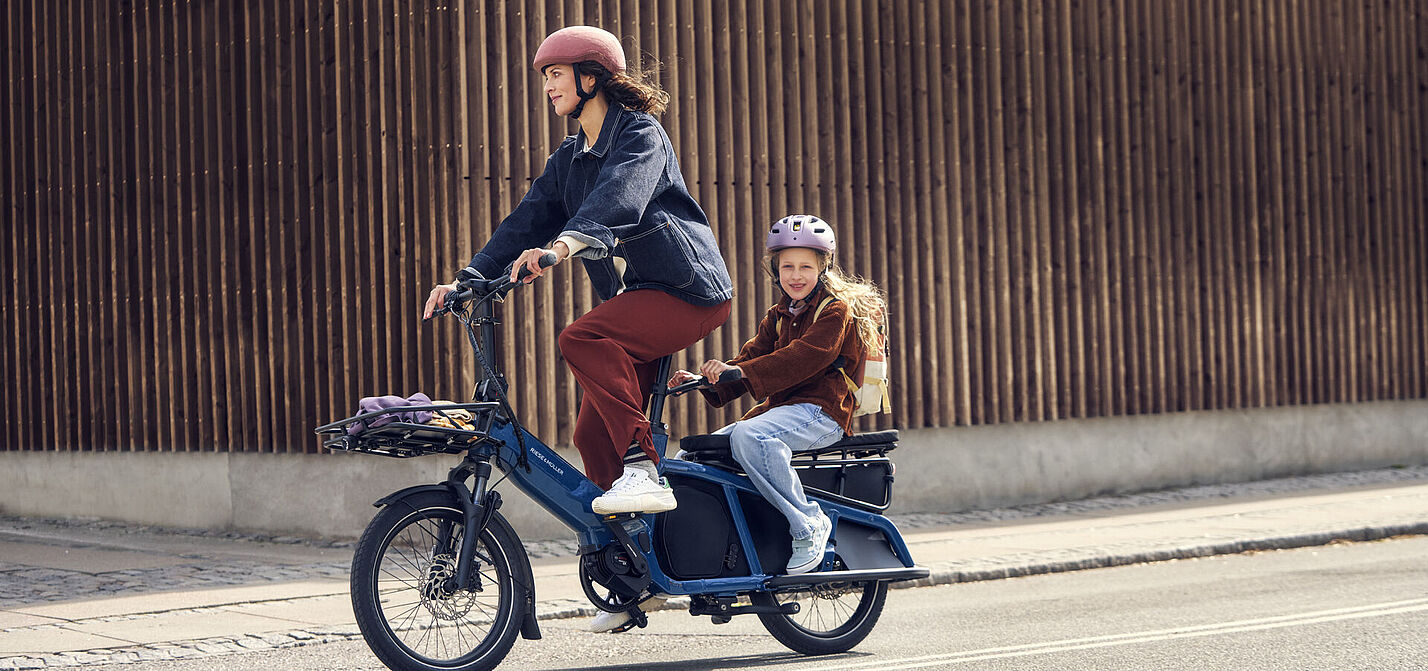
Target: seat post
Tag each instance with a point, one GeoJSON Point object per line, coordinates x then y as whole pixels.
{"type": "Point", "coordinates": [658, 392]}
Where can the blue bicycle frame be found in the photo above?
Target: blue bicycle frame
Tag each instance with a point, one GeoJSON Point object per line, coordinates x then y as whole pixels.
{"type": "Point", "coordinates": [564, 491]}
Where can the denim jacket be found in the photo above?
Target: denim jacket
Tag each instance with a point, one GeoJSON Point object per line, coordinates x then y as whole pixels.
{"type": "Point", "coordinates": [625, 198]}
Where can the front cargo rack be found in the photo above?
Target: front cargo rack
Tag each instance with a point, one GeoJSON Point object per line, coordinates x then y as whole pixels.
{"type": "Point", "coordinates": [404, 439]}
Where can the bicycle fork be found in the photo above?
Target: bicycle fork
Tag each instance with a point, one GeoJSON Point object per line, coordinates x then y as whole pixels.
{"type": "Point", "coordinates": [477, 507]}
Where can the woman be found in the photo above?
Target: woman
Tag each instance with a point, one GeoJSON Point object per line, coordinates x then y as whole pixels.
{"type": "Point", "coordinates": [612, 195]}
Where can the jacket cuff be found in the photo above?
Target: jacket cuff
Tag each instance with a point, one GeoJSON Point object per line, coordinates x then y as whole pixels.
{"type": "Point", "coordinates": [753, 376]}
{"type": "Point", "coordinates": [583, 246]}
{"type": "Point", "coordinates": [485, 265]}
{"type": "Point", "coordinates": [721, 395]}
{"type": "Point", "coordinates": [592, 234]}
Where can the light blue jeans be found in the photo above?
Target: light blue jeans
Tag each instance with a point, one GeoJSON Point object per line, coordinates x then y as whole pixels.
{"type": "Point", "coordinates": [764, 446]}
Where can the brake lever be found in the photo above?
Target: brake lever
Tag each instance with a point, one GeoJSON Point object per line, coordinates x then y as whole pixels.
{"type": "Point", "coordinates": [469, 283]}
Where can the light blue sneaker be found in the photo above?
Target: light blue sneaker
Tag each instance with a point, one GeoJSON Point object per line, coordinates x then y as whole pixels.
{"type": "Point", "coordinates": [808, 552]}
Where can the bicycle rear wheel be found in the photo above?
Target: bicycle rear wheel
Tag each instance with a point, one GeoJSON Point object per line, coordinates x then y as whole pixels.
{"type": "Point", "coordinates": [831, 618]}
{"type": "Point", "coordinates": [407, 614]}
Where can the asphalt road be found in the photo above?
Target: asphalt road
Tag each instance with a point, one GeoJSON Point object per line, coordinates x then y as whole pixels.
{"type": "Point", "coordinates": [1344, 606]}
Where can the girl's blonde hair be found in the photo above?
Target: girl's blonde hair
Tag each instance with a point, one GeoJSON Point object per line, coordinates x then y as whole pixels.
{"type": "Point", "coordinates": [864, 299]}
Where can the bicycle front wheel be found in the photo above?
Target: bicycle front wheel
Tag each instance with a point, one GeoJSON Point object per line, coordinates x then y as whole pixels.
{"type": "Point", "coordinates": [405, 609]}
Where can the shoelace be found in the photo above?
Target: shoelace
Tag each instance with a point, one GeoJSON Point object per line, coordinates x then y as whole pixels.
{"type": "Point", "coordinates": [628, 482]}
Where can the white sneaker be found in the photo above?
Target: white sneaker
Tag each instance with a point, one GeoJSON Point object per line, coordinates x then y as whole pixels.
{"type": "Point", "coordinates": [635, 492]}
{"type": "Point", "coordinates": [808, 552]}
{"type": "Point", "coordinates": [606, 621]}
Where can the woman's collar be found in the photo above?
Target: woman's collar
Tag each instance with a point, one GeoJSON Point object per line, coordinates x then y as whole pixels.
{"type": "Point", "coordinates": [607, 129]}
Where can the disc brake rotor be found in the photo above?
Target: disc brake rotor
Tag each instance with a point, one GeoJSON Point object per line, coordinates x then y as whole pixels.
{"type": "Point", "coordinates": [436, 598]}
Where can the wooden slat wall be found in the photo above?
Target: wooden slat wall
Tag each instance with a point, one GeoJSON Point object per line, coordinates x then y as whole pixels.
{"type": "Point", "coordinates": [221, 218]}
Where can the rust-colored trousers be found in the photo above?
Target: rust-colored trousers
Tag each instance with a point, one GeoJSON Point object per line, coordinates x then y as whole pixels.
{"type": "Point", "coordinates": [614, 351]}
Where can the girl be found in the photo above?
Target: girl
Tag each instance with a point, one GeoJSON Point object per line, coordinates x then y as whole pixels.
{"type": "Point", "coordinates": [612, 194]}
{"type": "Point", "coordinates": [792, 363]}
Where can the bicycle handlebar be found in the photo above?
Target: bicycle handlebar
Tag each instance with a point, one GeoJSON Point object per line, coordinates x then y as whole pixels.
{"type": "Point", "coordinates": [469, 283]}
{"type": "Point", "coordinates": [700, 381]}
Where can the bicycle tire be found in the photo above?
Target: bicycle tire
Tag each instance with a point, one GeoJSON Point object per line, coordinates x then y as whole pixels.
{"type": "Point", "coordinates": [832, 618]}
{"type": "Point", "coordinates": [407, 619]}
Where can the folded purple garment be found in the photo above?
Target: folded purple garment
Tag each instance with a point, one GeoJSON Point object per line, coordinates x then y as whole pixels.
{"type": "Point", "coordinates": [375, 403]}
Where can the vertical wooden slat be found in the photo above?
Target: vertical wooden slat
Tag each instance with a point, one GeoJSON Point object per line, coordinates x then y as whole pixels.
{"type": "Point", "coordinates": [305, 276]}
{"type": "Point", "coordinates": [191, 262]}
{"type": "Point", "coordinates": [11, 70]}
{"type": "Point", "coordinates": [231, 87]}
{"type": "Point", "coordinates": [56, 205]}
{"type": "Point", "coordinates": [1061, 193]}
{"type": "Point", "coordinates": [1412, 78]}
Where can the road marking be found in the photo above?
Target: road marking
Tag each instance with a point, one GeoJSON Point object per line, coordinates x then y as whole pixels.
{"type": "Point", "coordinates": [1067, 645]}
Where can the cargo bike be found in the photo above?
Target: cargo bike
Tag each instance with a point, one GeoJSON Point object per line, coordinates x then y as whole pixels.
{"type": "Point", "coordinates": [441, 581]}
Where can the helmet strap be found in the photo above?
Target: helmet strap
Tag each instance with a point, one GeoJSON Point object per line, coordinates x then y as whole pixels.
{"type": "Point", "coordinates": [580, 90]}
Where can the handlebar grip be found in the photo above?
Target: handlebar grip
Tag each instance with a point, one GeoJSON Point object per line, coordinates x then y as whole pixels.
{"type": "Point", "coordinates": [457, 297]}
{"type": "Point", "coordinates": [731, 375]}
{"type": "Point", "coordinates": [546, 260]}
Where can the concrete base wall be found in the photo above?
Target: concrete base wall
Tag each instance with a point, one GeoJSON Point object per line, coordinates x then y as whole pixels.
{"type": "Point", "coordinates": [939, 470]}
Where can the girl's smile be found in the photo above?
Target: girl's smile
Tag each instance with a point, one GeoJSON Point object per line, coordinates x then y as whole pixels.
{"type": "Point", "coordinates": [798, 271]}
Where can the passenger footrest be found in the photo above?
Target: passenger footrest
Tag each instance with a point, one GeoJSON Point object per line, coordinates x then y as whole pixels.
{"type": "Point", "coordinates": [724, 608]}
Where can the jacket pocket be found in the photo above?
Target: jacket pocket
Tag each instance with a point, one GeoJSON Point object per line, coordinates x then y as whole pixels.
{"type": "Point", "coordinates": [660, 255]}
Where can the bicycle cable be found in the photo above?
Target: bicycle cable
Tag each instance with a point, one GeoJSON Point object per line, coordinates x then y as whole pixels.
{"type": "Point", "coordinates": [521, 461]}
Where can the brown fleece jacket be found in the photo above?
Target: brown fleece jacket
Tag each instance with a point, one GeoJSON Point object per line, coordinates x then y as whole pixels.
{"type": "Point", "coordinates": [797, 365]}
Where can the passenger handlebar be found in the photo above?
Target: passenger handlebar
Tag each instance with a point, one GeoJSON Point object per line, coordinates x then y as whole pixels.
{"type": "Point", "coordinates": [699, 382]}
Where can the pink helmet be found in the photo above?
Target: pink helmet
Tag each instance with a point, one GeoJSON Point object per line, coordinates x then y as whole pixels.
{"type": "Point", "coordinates": [801, 230]}
{"type": "Point", "coordinates": [574, 44]}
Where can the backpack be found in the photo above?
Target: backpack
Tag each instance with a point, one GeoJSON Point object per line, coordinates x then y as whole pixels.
{"type": "Point", "coordinates": [871, 396]}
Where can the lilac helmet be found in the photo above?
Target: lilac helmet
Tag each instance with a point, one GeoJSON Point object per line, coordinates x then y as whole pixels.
{"type": "Point", "coordinates": [801, 230]}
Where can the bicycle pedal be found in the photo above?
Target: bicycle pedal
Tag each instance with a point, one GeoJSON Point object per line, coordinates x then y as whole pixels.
{"type": "Point", "coordinates": [637, 619]}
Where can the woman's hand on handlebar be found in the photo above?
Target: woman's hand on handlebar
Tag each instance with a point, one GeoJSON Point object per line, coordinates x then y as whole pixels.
{"type": "Point", "coordinates": [530, 259]}
{"type": "Point", "coordinates": [437, 299]}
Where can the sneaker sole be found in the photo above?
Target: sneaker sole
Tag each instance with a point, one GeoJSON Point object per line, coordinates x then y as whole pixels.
{"type": "Point", "coordinates": [645, 503]}
{"type": "Point", "coordinates": [804, 568]}
{"type": "Point", "coordinates": [603, 626]}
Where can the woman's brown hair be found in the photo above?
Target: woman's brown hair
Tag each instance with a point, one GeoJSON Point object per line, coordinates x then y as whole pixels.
{"type": "Point", "coordinates": [633, 89]}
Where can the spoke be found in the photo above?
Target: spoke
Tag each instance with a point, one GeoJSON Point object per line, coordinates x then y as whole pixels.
{"type": "Point", "coordinates": [425, 633]}
{"type": "Point", "coordinates": [401, 557]}
{"type": "Point", "coordinates": [436, 634]}
{"type": "Point", "coordinates": [402, 609]}
{"type": "Point", "coordinates": [396, 590]}
{"type": "Point", "coordinates": [407, 582]}
{"type": "Point", "coordinates": [405, 619]}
